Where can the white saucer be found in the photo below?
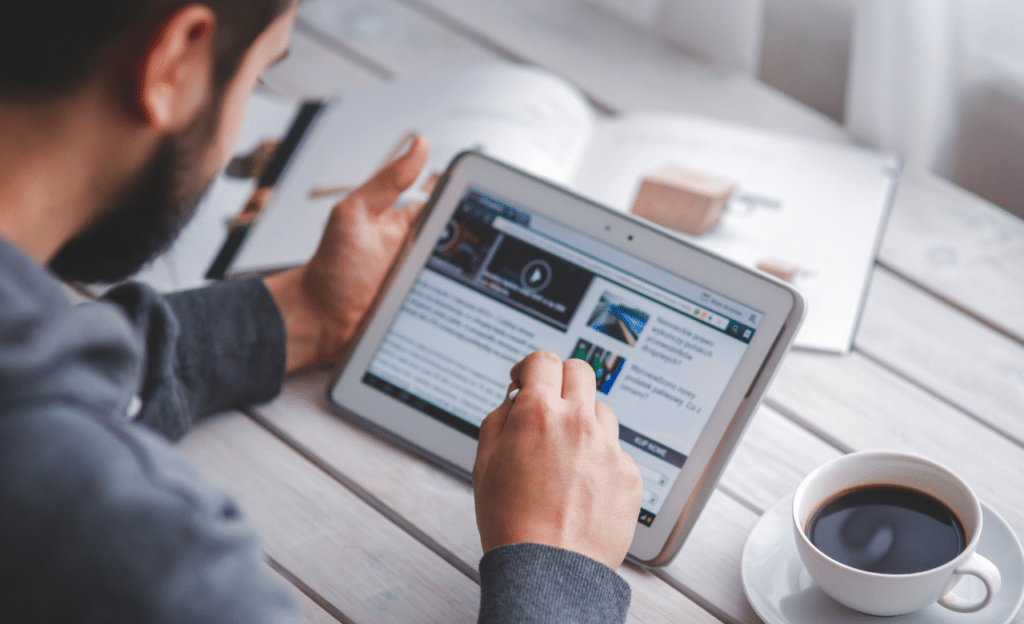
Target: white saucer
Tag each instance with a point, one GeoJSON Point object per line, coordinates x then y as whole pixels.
{"type": "Point", "coordinates": [781, 591]}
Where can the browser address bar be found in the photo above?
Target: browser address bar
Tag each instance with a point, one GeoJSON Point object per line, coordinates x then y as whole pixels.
{"type": "Point", "coordinates": [609, 272]}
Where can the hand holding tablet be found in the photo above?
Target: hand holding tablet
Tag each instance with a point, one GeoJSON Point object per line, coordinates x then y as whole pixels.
{"type": "Point", "coordinates": [680, 343]}
{"type": "Point", "coordinates": [530, 462]}
{"type": "Point", "coordinates": [549, 468]}
{"type": "Point", "coordinates": [322, 301]}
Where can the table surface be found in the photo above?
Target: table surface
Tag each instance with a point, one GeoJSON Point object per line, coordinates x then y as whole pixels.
{"type": "Point", "coordinates": [368, 533]}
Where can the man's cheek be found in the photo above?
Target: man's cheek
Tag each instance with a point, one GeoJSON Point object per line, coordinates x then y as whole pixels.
{"type": "Point", "coordinates": [229, 127]}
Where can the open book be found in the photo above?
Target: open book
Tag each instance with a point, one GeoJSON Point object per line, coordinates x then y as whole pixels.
{"type": "Point", "coordinates": [817, 208]}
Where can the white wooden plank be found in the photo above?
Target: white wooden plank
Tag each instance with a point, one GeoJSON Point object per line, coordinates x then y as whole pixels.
{"type": "Point", "coordinates": [435, 502]}
{"type": "Point", "coordinates": [315, 608]}
{"type": "Point", "coordinates": [656, 601]}
{"type": "Point", "coordinates": [774, 455]}
{"type": "Point", "coordinates": [312, 613]}
{"type": "Point", "coordinates": [709, 562]}
{"type": "Point", "coordinates": [977, 369]}
{"type": "Point", "coordinates": [623, 66]}
{"type": "Point", "coordinates": [347, 552]}
{"type": "Point", "coordinates": [390, 37]}
{"type": "Point", "coordinates": [960, 247]}
{"type": "Point", "coordinates": [862, 406]}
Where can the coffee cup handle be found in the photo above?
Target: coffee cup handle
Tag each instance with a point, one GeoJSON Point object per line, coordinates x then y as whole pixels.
{"type": "Point", "coordinates": [982, 569]}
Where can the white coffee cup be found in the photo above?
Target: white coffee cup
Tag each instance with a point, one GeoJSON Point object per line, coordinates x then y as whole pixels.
{"type": "Point", "coordinates": [893, 594]}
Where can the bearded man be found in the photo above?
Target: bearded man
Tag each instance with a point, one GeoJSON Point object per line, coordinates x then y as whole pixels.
{"type": "Point", "coordinates": [115, 115]}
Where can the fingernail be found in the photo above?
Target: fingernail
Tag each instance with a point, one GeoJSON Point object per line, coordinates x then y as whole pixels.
{"type": "Point", "coordinates": [407, 143]}
{"type": "Point", "coordinates": [513, 394]}
{"type": "Point", "coordinates": [400, 150]}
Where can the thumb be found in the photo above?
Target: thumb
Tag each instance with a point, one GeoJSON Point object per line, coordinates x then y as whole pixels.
{"type": "Point", "coordinates": [382, 190]}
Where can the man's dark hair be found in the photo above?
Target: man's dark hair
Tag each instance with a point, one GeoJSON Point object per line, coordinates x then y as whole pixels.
{"type": "Point", "coordinates": [50, 47]}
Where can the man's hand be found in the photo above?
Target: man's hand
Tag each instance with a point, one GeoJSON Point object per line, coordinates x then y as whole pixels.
{"type": "Point", "coordinates": [323, 301]}
{"type": "Point", "coordinates": [549, 468]}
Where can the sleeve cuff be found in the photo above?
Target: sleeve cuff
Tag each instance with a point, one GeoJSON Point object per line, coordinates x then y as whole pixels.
{"type": "Point", "coordinates": [231, 350]}
{"type": "Point", "coordinates": [207, 350]}
{"type": "Point", "coordinates": [537, 583]}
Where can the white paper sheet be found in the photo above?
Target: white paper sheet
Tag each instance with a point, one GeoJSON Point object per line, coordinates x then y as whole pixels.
{"type": "Point", "coordinates": [817, 206]}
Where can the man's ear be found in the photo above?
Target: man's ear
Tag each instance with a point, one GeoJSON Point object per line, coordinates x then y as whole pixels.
{"type": "Point", "coordinates": [172, 79]}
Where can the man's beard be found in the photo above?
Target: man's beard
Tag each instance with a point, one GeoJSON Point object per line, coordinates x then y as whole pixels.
{"type": "Point", "coordinates": [148, 214]}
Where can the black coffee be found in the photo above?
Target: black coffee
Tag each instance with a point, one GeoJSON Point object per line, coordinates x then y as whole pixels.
{"type": "Point", "coordinates": [887, 529]}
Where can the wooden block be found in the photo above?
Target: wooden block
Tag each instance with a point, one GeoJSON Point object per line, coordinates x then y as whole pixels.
{"type": "Point", "coordinates": [782, 270]}
{"type": "Point", "coordinates": [682, 199]}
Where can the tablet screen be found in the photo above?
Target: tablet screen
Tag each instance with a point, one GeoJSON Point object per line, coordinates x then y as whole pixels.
{"type": "Point", "coordinates": [503, 282]}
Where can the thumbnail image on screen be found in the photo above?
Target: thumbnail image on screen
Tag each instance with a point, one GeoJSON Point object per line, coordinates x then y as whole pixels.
{"type": "Point", "coordinates": [614, 318]}
{"type": "Point", "coordinates": [512, 271]}
{"type": "Point", "coordinates": [464, 244]}
{"type": "Point", "coordinates": [606, 364]}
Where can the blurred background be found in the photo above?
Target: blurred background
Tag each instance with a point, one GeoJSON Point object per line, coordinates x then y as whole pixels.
{"type": "Point", "coordinates": [941, 82]}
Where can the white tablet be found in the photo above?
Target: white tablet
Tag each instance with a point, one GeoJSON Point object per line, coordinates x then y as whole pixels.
{"type": "Point", "coordinates": [683, 343]}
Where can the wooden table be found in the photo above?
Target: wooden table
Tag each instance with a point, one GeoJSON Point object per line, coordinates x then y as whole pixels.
{"type": "Point", "coordinates": [368, 533]}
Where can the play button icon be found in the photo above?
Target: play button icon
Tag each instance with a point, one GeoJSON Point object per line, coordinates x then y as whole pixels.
{"type": "Point", "coordinates": [536, 275]}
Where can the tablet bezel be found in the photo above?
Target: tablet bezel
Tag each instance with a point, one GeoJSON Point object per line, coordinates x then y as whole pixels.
{"type": "Point", "coordinates": [455, 451]}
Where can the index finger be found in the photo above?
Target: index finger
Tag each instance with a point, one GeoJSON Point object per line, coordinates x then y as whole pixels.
{"type": "Point", "coordinates": [539, 373]}
{"type": "Point", "coordinates": [578, 382]}
{"type": "Point", "coordinates": [382, 190]}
